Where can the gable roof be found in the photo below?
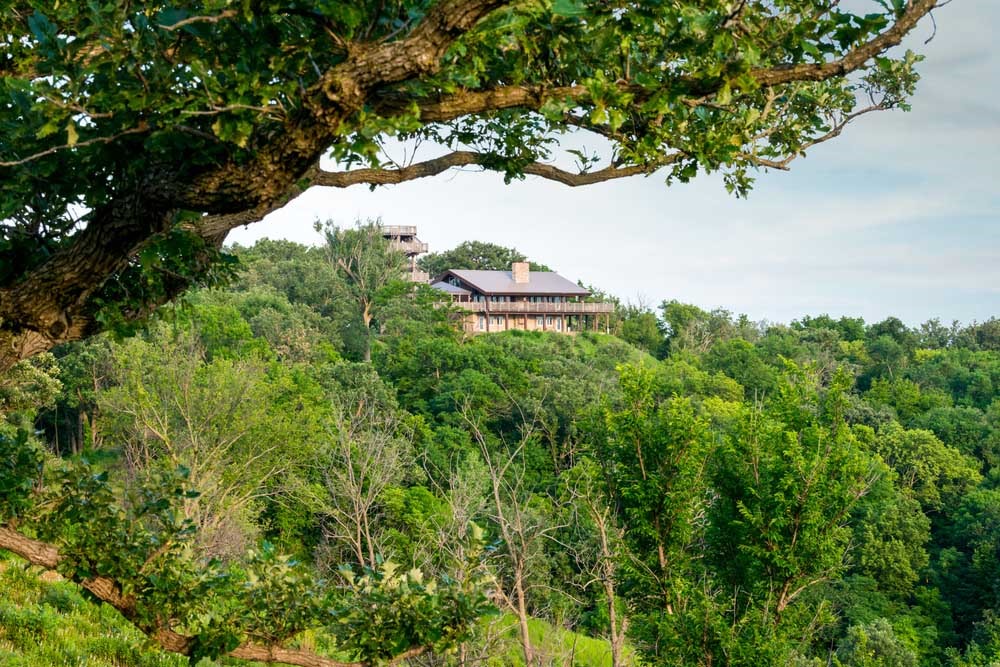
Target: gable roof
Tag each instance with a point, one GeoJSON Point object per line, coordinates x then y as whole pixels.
{"type": "Point", "coordinates": [502, 282]}
{"type": "Point", "coordinates": [448, 287]}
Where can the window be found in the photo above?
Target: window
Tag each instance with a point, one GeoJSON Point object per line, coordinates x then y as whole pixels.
{"type": "Point", "coordinates": [540, 321]}
{"type": "Point", "coordinates": [482, 322]}
{"type": "Point", "coordinates": [559, 324]}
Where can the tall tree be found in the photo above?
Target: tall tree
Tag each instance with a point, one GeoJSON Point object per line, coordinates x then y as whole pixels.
{"type": "Point", "coordinates": [370, 270]}
{"type": "Point", "coordinates": [477, 255]}
{"type": "Point", "coordinates": [134, 137]}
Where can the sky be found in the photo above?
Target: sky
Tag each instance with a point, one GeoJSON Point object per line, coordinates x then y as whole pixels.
{"type": "Point", "coordinates": [900, 216]}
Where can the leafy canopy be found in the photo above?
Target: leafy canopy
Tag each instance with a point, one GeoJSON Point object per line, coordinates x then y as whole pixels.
{"type": "Point", "coordinates": [133, 138]}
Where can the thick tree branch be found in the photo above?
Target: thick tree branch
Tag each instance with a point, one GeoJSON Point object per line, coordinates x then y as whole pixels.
{"type": "Point", "coordinates": [463, 103]}
{"type": "Point", "coordinates": [344, 179]}
{"type": "Point", "coordinates": [53, 302]}
{"type": "Point", "coordinates": [853, 59]}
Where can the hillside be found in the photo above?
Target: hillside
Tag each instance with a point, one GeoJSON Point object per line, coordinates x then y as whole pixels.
{"type": "Point", "coordinates": [692, 488]}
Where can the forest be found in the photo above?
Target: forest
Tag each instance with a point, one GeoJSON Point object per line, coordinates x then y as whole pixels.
{"type": "Point", "coordinates": [229, 479]}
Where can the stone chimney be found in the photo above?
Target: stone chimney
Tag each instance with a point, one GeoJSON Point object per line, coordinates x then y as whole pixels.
{"type": "Point", "coordinates": [520, 271]}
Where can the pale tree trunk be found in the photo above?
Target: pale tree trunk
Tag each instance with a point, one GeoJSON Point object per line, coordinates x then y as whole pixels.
{"type": "Point", "coordinates": [366, 317]}
{"type": "Point", "coordinates": [607, 571]}
{"type": "Point", "coordinates": [522, 616]}
{"type": "Point", "coordinates": [518, 529]}
{"type": "Point", "coordinates": [603, 565]}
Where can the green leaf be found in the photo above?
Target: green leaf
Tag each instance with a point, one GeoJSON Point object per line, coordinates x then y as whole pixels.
{"type": "Point", "coordinates": [569, 8]}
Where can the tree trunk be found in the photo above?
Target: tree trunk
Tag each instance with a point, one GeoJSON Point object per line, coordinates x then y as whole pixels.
{"type": "Point", "coordinates": [366, 318]}
{"type": "Point", "coordinates": [522, 616]}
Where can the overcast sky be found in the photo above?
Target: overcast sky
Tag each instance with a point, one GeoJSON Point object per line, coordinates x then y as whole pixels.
{"type": "Point", "coordinates": [899, 216]}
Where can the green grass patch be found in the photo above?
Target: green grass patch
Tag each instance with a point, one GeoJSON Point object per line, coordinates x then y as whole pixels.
{"type": "Point", "coordinates": [553, 645]}
{"type": "Point", "coordinates": [47, 623]}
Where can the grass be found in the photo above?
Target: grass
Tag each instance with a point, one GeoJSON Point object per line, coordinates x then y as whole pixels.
{"type": "Point", "coordinates": [46, 623]}
{"type": "Point", "coordinates": [553, 645]}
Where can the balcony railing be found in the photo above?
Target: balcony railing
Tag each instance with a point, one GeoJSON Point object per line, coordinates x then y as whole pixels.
{"type": "Point", "coordinates": [528, 307]}
{"type": "Point", "coordinates": [418, 276]}
{"type": "Point", "coordinates": [399, 230]}
{"type": "Point", "coordinates": [409, 247]}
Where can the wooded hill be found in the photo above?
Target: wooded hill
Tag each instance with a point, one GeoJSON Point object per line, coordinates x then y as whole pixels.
{"type": "Point", "coordinates": [694, 489]}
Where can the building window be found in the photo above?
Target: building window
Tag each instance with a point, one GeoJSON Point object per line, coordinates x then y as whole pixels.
{"type": "Point", "coordinates": [540, 321]}
{"type": "Point", "coordinates": [559, 324]}
{"type": "Point", "coordinates": [482, 322]}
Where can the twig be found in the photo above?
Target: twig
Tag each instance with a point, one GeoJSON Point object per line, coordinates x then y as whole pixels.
{"type": "Point", "coordinates": [89, 142]}
{"type": "Point", "coordinates": [227, 14]}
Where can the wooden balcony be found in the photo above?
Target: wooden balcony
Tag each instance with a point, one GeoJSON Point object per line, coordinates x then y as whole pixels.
{"type": "Point", "coordinates": [418, 276]}
{"type": "Point", "coordinates": [410, 247]}
{"type": "Point", "coordinates": [530, 308]}
{"type": "Point", "coordinates": [399, 230]}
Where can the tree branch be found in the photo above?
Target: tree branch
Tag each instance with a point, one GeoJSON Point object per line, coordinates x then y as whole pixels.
{"type": "Point", "coordinates": [344, 179]}
{"type": "Point", "coordinates": [226, 14]}
{"type": "Point", "coordinates": [450, 107]}
{"type": "Point", "coordinates": [53, 302]}
{"type": "Point", "coordinates": [89, 142]}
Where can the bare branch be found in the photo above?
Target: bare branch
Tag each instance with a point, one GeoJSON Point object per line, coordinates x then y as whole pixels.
{"type": "Point", "coordinates": [215, 110]}
{"type": "Point", "coordinates": [89, 142]}
{"type": "Point", "coordinates": [227, 14]}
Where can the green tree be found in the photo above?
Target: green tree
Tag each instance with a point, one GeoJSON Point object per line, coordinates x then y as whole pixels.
{"type": "Point", "coordinates": [874, 645]}
{"type": "Point", "coordinates": [788, 478]}
{"type": "Point", "coordinates": [29, 385]}
{"type": "Point", "coordinates": [301, 273]}
{"type": "Point", "coordinates": [370, 272]}
{"type": "Point", "coordinates": [221, 419]}
{"type": "Point", "coordinates": [693, 330]}
{"type": "Point", "coordinates": [167, 125]}
{"type": "Point", "coordinates": [639, 326]}
{"type": "Point", "coordinates": [478, 255]}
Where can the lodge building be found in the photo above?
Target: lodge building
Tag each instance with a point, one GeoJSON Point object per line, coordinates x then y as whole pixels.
{"type": "Point", "coordinates": [522, 299]}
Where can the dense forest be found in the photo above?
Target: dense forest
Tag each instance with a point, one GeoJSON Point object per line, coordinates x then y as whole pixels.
{"type": "Point", "coordinates": [692, 488]}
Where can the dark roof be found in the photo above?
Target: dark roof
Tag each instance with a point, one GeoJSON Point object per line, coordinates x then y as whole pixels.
{"type": "Point", "coordinates": [448, 287]}
{"type": "Point", "coordinates": [502, 282]}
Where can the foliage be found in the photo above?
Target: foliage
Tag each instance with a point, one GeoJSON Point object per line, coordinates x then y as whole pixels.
{"type": "Point", "coordinates": [20, 470]}
{"type": "Point", "coordinates": [818, 493]}
{"type": "Point", "coordinates": [158, 128]}
{"type": "Point", "coordinates": [370, 272]}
